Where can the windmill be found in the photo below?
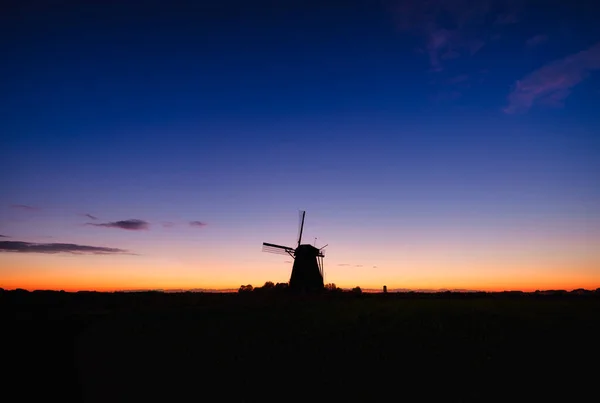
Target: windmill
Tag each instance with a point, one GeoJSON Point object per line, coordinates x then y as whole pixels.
{"type": "Point", "coordinates": [307, 271]}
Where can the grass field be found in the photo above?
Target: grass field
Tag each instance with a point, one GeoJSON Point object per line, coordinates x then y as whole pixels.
{"type": "Point", "coordinates": [246, 347]}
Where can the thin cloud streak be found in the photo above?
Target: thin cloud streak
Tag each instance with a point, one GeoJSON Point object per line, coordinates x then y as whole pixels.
{"type": "Point", "coordinates": [4, 236]}
{"type": "Point", "coordinates": [551, 84]}
{"type": "Point", "coordinates": [52, 248]}
{"type": "Point", "coordinates": [197, 224]}
{"type": "Point", "coordinates": [130, 225]}
{"type": "Point", "coordinates": [23, 207]}
{"type": "Point", "coordinates": [91, 217]}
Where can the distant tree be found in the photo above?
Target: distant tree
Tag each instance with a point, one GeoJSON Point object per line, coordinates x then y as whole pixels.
{"type": "Point", "coordinates": [246, 288]}
{"type": "Point", "coordinates": [581, 291]}
{"type": "Point", "coordinates": [281, 286]}
{"type": "Point", "coordinates": [357, 290]}
{"type": "Point", "coordinates": [331, 287]}
{"type": "Point", "coordinates": [267, 287]}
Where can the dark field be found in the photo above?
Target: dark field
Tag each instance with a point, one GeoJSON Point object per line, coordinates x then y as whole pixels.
{"type": "Point", "coordinates": [247, 347]}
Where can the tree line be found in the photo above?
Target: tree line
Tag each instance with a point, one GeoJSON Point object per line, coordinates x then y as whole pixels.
{"type": "Point", "coordinates": [269, 286]}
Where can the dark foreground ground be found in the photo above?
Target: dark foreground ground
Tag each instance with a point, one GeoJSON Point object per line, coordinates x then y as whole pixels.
{"type": "Point", "coordinates": [234, 347]}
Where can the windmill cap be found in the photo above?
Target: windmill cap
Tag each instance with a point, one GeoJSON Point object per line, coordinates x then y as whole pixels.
{"type": "Point", "coordinates": [307, 246]}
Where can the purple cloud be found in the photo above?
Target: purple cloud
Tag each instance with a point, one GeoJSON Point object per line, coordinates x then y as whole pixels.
{"type": "Point", "coordinates": [197, 224]}
{"type": "Point", "coordinates": [168, 224]}
{"type": "Point", "coordinates": [28, 247]}
{"type": "Point", "coordinates": [450, 29]}
{"type": "Point", "coordinates": [4, 236]}
{"type": "Point", "coordinates": [536, 40]}
{"type": "Point", "coordinates": [444, 42]}
{"type": "Point", "coordinates": [23, 207]}
{"type": "Point", "coordinates": [131, 225]}
{"type": "Point", "coordinates": [551, 84]}
{"type": "Point", "coordinates": [91, 216]}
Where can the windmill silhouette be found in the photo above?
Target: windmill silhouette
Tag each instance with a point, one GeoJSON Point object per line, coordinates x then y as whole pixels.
{"type": "Point", "coordinates": [307, 271]}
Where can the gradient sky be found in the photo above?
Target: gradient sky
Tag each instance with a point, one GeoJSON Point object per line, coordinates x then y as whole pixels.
{"type": "Point", "coordinates": [433, 144]}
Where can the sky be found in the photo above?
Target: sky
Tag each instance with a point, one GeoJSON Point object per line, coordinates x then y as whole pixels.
{"type": "Point", "coordinates": [433, 144]}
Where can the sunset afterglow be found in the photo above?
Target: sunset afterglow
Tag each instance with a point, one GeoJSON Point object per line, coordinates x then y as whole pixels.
{"type": "Point", "coordinates": [158, 150]}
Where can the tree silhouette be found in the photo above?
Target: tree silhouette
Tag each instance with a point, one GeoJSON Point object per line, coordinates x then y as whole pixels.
{"type": "Point", "coordinates": [281, 286]}
{"type": "Point", "coordinates": [331, 287]}
{"type": "Point", "coordinates": [246, 288]}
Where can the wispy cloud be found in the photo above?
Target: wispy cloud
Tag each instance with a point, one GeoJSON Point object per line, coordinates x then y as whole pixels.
{"type": "Point", "coordinates": [28, 247]}
{"type": "Point", "coordinates": [552, 84]}
{"type": "Point", "coordinates": [167, 224]}
{"type": "Point", "coordinates": [452, 28]}
{"type": "Point", "coordinates": [536, 40]}
{"type": "Point", "coordinates": [131, 225]}
{"type": "Point", "coordinates": [23, 207]}
{"type": "Point", "coordinates": [343, 264]}
{"type": "Point", "coordinates": [91, 217]}
{"type": "Point", "coordinates": [197, 224]}
{"type": "Point", "coordinates": [4, 236]}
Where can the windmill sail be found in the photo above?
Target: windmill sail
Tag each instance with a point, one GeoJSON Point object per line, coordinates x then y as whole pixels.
{"type": "Point", "coordinates": [278, 249]}
{"type": "Point", "coordinates": [301, 226]}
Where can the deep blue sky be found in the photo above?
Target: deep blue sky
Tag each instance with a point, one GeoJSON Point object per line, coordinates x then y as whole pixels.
{"type": "Point", "coordinates": [387, 118]}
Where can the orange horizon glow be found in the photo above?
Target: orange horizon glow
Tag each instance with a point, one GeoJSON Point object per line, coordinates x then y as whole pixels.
{"type": "Point", "coordinates": [234, 289]}
{"type": "Point", "coordinates": [52, 281]}
{"type": "Point", "coordinates": [506, 265]}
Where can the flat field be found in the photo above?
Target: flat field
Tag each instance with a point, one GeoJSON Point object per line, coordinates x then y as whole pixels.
{"type": "Point", "coordinates": [100, 347]}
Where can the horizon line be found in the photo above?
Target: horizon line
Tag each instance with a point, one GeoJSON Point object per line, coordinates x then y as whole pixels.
{"type": "Point", "coordinates": [365, 290]}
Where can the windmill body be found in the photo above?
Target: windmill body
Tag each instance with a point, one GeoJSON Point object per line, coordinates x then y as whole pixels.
{"type": "Point", "coordinates": [307, 271]}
